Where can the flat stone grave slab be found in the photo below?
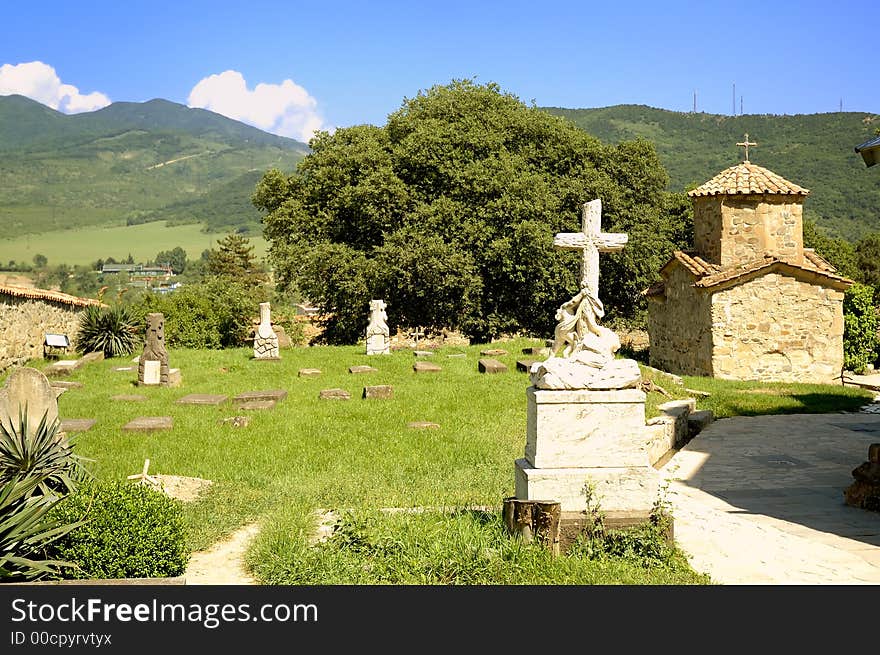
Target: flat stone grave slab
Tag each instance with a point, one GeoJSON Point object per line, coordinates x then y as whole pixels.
{"type": "Point", "coordinates": [422, 425]}
{"type": "Point", "coordinates": [77, 424]}
{"type": "Point", "coordinates": [129, 397]}
{"type": "Point", "coordinates": [362, 369]}
{"type": "Point", "coordinates": [537, 352]}
{"type": "Point", "coordinates": [493, 352]}
{"type": "Point", "coordinates": [525, 365]}
{"type": "Point", "coordinates": [256, 404]}
{"type": "Point", "coordinates": [64, 384]}
{"type": "Point", "coordinates": [147, 423]}
{"type": "Point", "coordinates": [383, 391]}
{"type": "Point", "coordinates": [121, 369]}
{"type": "Point", "coordinates": [426, 367]}
{"type": "Point", "coordinates": [422, 353]}
{"type": "Point", "coordinates": [309, 372]}
{"type": "Point", "coordinates": [271, 394]}
{"type": "Point", "coordinates": [334, 394]}
{"type": "Point", "coordinates": [491, 366]}
{"type": "Point", "coordinates": [236, 421]}
{"type": "Point", "coordinates": [202, 399]}
{"type": "Point", "coordinates": [61, 367]}
{"type": "Point", "coordinates": [457, 355]}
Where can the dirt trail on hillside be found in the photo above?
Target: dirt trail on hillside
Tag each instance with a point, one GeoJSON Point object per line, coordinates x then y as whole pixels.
{"type": "Point", "coordinates": [223, 563]}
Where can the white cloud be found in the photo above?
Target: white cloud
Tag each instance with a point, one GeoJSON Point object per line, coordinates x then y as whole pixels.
{"type": "Point", "coordinates": [40, 82]}
{"type": "Point", "coordinates": [286, 109]}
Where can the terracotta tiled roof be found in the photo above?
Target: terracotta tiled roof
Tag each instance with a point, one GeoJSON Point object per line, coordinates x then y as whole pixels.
{"type": "Point", "coordinates": [765, 264]}
{"type": "Point", "coordinates": [746, 179]}
{"type": "Point", "coordinates": [818, 261]}
{"type": "Point", "coordinates": [44, 294]}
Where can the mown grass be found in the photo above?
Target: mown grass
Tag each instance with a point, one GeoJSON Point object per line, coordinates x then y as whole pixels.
{"type": "Point", "coordinates": [308, 454]}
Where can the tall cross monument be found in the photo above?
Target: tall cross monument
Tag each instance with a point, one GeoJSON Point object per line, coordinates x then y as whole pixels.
{"type": "Point", "coordinates": [591, 241]}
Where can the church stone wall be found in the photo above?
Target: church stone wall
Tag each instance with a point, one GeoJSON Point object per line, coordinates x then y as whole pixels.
{"type": "Point", "coordinates": [778, 328]}
{"type": "Point", "coordinates": [680, 327]}
{"type": "Point", "coordinates": [771, 226]}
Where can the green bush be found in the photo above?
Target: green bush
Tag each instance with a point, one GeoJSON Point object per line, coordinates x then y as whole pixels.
{"type": "Point", "coordinates": [112, 330]}
{"type": "Point", "coordinates": [130, 531]}
{"type": "Point", "coordinates": [860, 328]}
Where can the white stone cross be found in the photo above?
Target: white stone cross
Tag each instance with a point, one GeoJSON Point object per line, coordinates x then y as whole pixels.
{"type": "Point", "coordinates": [591, 241]}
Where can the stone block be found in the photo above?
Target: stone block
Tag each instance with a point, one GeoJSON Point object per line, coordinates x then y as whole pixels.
{"type": "Point", "coordinates": [65, 384]}
{"type": "Point", "coordinates": [334, 394]}
{"type": "Point", "coordinates": [27, 389]}
{"type": "Point", "coordinates": [576, 428]}
{"type": "Point", "coordinates": [699, 421]}
{"type": "Point", "coordinates": [255, 404]}
{"type": "Point", "coordinates": [175, 379]}
{"type": "Point", "coordinates": [422, 425]}
{"type": "Point", "coordinates": [202, 399]}
{"type": "Point", "coordinates": [525, 365]}
{"type": "Point", "coordinates": [426, 367]}
{"type": "Point", "coordinates": [537, 352]}
{"type": "Point", "coordinates": [77, 424]}
{"type": "Point", "coordinates": [88, 358]}
{"type": "Point", "coordinates": [493, 352]}
{"type": "Point", "coordinates": [383, 391]}
{"type": "Point", "coordinates": [60, 368]}
{"type": "Point", "coordinates": [149, 423]}
{"type": "Point", "coordinates": [309, 372]}
{"type": "Point", "coordinates": [271, 394]}
{"type": "Point", "coordinates": [633, 488]}
{"type": "Point", "coordinates": [152, 373]}
{"type": "Point", "coordinates": [491, 366]}
{"type": "Point", "coordinates": [660, 437]}
{"type": "Point", "coordinates": [362, 369]}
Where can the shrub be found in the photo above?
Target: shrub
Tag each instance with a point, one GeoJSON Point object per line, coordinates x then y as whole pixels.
{"type": "Point", "coordinates": [129, 531]}
{"type": "Point", "coordinates": [860, 328]}
{"type": "Point", "coordinates": [112, 330]}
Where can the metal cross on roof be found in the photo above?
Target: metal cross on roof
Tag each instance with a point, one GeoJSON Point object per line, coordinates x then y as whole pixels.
{"type": "Point", "coordinates": [745, 144]}
{"type": "Point", "coordinates": [591, 241]}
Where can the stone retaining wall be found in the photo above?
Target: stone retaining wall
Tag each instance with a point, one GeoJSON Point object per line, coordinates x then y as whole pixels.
{"type": "Point", "coordinates": [24, 324]}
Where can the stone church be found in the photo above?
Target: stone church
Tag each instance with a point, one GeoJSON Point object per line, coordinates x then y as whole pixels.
{"type": "Point", "coordinates": [749, 302]}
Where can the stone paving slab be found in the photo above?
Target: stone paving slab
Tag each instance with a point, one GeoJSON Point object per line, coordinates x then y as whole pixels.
{"type": "Point", "coordinates": [426, 367]}
{"type": "Point", "coordinates": [271, 394]}
{"type": "Point", "coordinates": [362, 369]}
{"type": "Point", "coordinates": [77, 424]}
{"type": "Point", "coordinates": [148, 423]}
{"type": "Point", "coordinates": [334, 394]}
{"type": "Point", "coordinates": [493, 352]}
{"type": "Point", "coordinates": [381, 391]}
{"type": "Point", "coordinates": [489, 366]}
{"type": "Point", "coordinates": [202, 399]}
{"type": "Point", "coordinates": [759, 500]}
{"type": "Point", "coordinates": [309, 372]}
{"type": "Point", "coordinates": [255, 404]}
{"type": "Point", "coordinates": [421, 425]}
{"type": "Point", "coordinates": [525, 365]}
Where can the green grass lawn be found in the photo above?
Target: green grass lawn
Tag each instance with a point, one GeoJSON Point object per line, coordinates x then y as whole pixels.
{"type": "Point", "coordinates": [359, 455]}
{"type": "Point", "coordinates": [85, 245]}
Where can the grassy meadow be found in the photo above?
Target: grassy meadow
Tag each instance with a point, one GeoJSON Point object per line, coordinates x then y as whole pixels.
{"type": "Point", "coordinates": [85, 245]}
{"type": "Point", "coordinates": [358, 456]}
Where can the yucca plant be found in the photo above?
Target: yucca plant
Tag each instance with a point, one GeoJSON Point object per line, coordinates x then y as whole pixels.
{"type": "Point", "coordinates": [112, 330]}
{"type": "Point", "coordinates": [44, 453]}
{"type": "Point", "coordinates": [26, 531]}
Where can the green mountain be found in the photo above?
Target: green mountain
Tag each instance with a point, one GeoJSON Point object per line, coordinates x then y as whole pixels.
{"type": "Point", "coordinates": [130, 163]}
{"type": "Point", "coordinates": [812, 150]}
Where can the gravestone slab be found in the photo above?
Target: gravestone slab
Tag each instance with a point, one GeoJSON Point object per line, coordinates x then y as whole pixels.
{"type": "Point", "coordinates": [175, 379]}
{"type": "Point", "coordinates": [422, 425]}
{"type": "Point", "coordinates": [236, 421]}
{"type": "Point", "coordinates": [149, 423]}
{"type": "Point", "coordinates": [525, 365]}
{"type": "Point", "coordinates": [426, 367]}
{"type": "Point", "coordinates": [536, 352]}
{"type": "Point", "coordinates": [153, 363]}
{"type": "Point", "coordinates": [493, 352]}
{"type": "Point", "coordinates": [491, 366]}
{"type": "Point", "coordinates": [124, 369]}
{"type": "Point", "coordinates": [362, 369]}
{"type": "Point", "coordinates": [423, 353]}
{"type": "Point", "coordinates": [65, 384]}
{"type": "Point", "coordinates": [27, 389]}
{"type": "Point", "coordinates": [202, 399]}
{"type": "Point", "coordinates": [309, 372]}
{"type": "Point", "coordinates": [383, 391]}
{"type": "Point", "coordinates": [61, 367]}
{"type": "Point", "coordinates": [129, 397]}
{"type": "Point", "coordinates": [256, 404]}
{"type": "Point", "coordinates": [334, 394]}
{"type": "Point", "coordinates": [457, 355]}
{"type": "Point", "coordinates": [271, 394]}
{"type": "Point", "coordinates": [97, 356]}
{"type": "Point", "coordinates": [77, 424]}
{"type": "Point", "coordinates": [152, 372]}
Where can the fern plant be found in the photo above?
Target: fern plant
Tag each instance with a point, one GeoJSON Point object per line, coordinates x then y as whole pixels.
{"type": "Point", "coordinates": [112, 330]}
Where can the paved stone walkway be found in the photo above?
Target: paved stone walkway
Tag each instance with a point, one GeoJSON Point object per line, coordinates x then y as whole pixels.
{"type": "Point", "coordinates": [759, 500]}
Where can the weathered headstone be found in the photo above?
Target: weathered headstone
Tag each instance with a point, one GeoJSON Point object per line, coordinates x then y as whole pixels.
{"type": "Point", "coordinates": [383, 391]}
{"type": "Point", "coordinates": [309, 372]}
{"type": "Point", "coordinates": [255, 404]}
{"type": "Point", "coordinates": [362, 369]}
{"type": "Point", "coordinates": [525, 365]}
{"type": "Point", "coordinates": [334, 394]}
{"type": "Point", "coordinates": [493, 352]}
{"type": "Point", "coordinates": [426, 367]}
{"type": "Point", "coordinates": [378, 334]}
{"type": "Point", "coordinates": [265, 339]}
{"type": "Point", "coordinates": [585, 429]}
{"type": "Point", "coordinates": [27, 391]}
{"type": "Point", "coordinates": [149, 423]}
{"type": "Point", "coordinates": [153, 362]}
{"type": "Point", "coordinates": [489, 365]}
{"type": "Point", "coordinates": [202, 399]}
{"type": "Point", "coordinates": [270, 394]}
{"type": "Point", "coordinates": [77, 424]}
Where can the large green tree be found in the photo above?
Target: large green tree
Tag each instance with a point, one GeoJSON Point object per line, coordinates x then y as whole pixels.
{"type": "Point", "coordinates": [448, 213]}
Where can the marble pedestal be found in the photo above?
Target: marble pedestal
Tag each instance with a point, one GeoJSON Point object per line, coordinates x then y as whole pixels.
{"type": "Point", "coordinates": [576, 438]}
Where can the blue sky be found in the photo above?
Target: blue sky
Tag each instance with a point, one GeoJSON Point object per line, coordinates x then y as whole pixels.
{"type": "Point", "coordinates": [292, 67]}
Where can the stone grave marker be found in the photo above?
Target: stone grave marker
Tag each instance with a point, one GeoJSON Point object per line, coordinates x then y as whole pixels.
{"type": "Point", "coordinates": [65, 384]}
{"type": "Point", "coordinates": [236, 421]}
{"type": "Point", "coordinates": [491, 366]}
{"type": "Point", "coordinates": [27, 390]}
{"type": "Point", "coordinates": [362, 369]}
{"type": "Point", "coordinates": [426, 367]}
{"type": "Point", "coordinates": [536, 352]}
{"type": "Point", "coordinates": [422, 425]}
{"type": "Point", "coordinates": [153, 363]}
{"type": "Point", "coordinates": [423, 353]}
{"type": "Point", "coordinates": [149, 423]}
{"type": "Point", "coordinates": [202, 399]}
{"type": "Point", "coordinates": [77, 424]}
{"type": "Point", "coordinates": [270, 394]}
{"type": "Point", "coordinates": [309, 372]}
{"type": "Point", "coordinates": [378, 334]}
{"type": "Point", "coordinates": [256, 404]}
{"type": "Point", "coordinates": [383, 391]}
{"type": "Point", "coordinates": [265, 339]}
{"type": "Point", "coordinates": [61, 367]}
{"type": "Point", "coordinates": [334, 394]}
{"type": "Point", "coordinates": [493, 352]}
{"type": "Point", "coordinates": [525, 365]}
